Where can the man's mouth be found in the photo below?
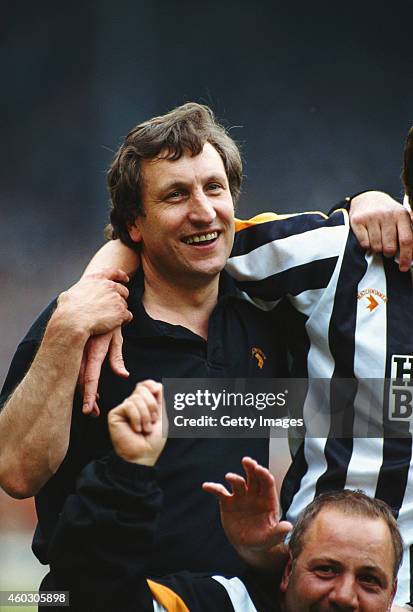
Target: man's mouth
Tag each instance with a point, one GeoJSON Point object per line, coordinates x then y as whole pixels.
{"type": "Point", "coordinates": [201, 239]}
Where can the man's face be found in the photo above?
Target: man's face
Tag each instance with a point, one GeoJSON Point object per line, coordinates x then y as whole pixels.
{"type": "Point", "coordinates": [346, 564]}
{"type": "Point", "coordinates": [187, 229]}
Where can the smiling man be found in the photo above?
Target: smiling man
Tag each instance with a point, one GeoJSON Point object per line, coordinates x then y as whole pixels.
{"type": "Point", "coordinates": [186, 232]}
{"type": "Point", "coordinates": [187, 229]}
{"type": "Point", "coordinates": [345, 552]}
{"type": "Point", "coordinates": [172, 184]}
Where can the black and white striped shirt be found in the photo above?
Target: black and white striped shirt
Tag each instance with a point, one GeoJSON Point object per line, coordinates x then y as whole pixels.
{"type": "Point", "coordinates": [351, 318]}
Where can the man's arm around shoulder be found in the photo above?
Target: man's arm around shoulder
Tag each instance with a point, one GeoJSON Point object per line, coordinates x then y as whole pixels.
{"type": "Point", "coordinates": [35, 420]}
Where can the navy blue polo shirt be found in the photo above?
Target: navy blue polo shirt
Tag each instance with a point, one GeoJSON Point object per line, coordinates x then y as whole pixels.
{"type": "Point", "coordinates": [189, 534]}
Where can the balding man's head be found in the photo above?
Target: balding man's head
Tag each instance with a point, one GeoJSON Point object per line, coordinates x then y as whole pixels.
{"type": "Point", "coordinates": [345, 550]}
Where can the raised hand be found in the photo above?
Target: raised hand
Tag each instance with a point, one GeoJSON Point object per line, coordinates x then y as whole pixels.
{"type": "Point", "coordinates": [135, 426]}
{"type": "Point", "coordinates": [250, 515]}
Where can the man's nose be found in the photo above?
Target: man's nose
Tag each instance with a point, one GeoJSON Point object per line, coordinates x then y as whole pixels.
{"type": "Point", "coordinates": [343, 597]}
{"type": "Point", "coordinates": [201, 209]}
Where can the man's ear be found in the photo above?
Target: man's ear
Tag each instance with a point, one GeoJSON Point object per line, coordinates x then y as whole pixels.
{"type": "Point", "coordinates": [134, 231]}
{"type": "Point", "coordinates": [286, 575]}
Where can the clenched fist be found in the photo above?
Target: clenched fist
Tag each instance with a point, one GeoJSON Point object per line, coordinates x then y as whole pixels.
{"type": "Point", "coordinates": [136, 425]}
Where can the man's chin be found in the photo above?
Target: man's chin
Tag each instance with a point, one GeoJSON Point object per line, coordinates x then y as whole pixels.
{"type": "Point", "coordinates": [198, 276]}
{"type": "Point", "coordinates": [208, 269]}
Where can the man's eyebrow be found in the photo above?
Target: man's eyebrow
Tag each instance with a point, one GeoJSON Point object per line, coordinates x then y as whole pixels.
{"type": "Point", "coordinates": [176, 184]}
{"type": "Point", "coordinates": [326, 561]}
{"type": "Point", "coordinates": [181, 183]}
{"type": "Point", "coordinates": [216, 175]}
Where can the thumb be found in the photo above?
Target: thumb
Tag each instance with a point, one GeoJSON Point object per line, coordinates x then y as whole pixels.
{"type": "Point", "coordinates": [279, 533]}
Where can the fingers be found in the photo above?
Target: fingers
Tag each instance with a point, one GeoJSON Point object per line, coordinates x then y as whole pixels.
{"type": "Point", "coordinates": [392, 235]}
{"type": "Point", "coordinates": [114, 278]}
{"type": "Point", "coordinates": [96, 350]}
{"type": "Point", "coordinates": [260, 481]}
{"type": "Point", "coordinates": [238, 484]}
{"type": "Point", "coordinates": [389, 239]}
{"type": "Point", "coordinates": [133, 413]}
{"type": "Point", "coordinates": [362, 235]}
{"type": "Point", "coordinates": [95, 410]}
{"type": "Point", "coordinates": [115, 354]}
{"type": "Point", "coordinates": [250, 467]}
{"type": "Point", "coordinates": [145, 401]}
{"type": "Point", "coordinates": [381, 224]}
{"type": "Point", "coordinates": [217, 489]}
{"type": "Point", "coordinates": [115, 274]}
{"type": "Point", "coordinates": [148, 405]}
{"type": "Point", "coordinates": [137, 417]}
{"type": "Point", "coordinates": [279, 533]}
{"type": "Point", "coordinates": [405, 233]}
{"type": "Point", "coordinates": [155, 388]}
{"type": "Point", "coordinates": [135, 435]}
{"type": "Point", "coordinates": [283, 528]}
{"type": "Point", "coordinates": [121, 289]}
{"type": "Point", "coordinates": [91, 407]}
{"type": "Point", "coordinates": [375, 235]}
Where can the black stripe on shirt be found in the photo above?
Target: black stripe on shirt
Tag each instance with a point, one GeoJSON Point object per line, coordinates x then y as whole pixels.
{"type": "Point", "coordinates": [298, 345]}
{"type": "Point", "coordinates": [248, 239]}
{"type": "Point", "coordinates": [292, 481]}
{"type": "Point", "coordinates": [313, 275]}
{"type": "Point", "coordinates": [342, 330]}
{"type": "Point", "coordinates": [392, 481]}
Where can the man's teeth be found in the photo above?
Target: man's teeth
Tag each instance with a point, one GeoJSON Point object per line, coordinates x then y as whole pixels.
{"type": "Point", "coordinates": [201, 238]}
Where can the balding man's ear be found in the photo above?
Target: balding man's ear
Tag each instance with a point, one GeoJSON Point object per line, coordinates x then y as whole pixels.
{"type": "Point", "coordinates": [134, 231]}
{"type": "Point", "coordinates": [286, 575]}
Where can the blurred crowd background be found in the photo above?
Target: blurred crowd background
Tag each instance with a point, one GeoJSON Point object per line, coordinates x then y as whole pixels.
{"type": "Point", "coordinates": [320, 96]}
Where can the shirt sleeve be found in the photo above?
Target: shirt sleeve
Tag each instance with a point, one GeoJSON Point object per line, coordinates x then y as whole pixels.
{"type": "Point", "coordinates": [25, 353]}
{"type": "Point", "coordinates": [288, 255]}
{"type": "Point", "coordinates": [104, 535]}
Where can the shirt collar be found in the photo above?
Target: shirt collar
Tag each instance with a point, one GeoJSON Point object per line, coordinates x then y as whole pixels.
{"type": "Point", "coordinates": [143, 325]}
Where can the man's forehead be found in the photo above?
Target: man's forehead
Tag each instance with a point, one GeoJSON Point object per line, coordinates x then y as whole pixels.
{"type": "Point", "coordinates": [163, 170]}
{"type": "Point", "coordinates": [337, 532]}
{"type": "Point", "coordinates": [331, 518]}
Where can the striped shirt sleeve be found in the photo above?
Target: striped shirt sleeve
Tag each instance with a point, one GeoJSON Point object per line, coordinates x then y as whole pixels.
{"type": "Point", "coordinates": [285, 255]}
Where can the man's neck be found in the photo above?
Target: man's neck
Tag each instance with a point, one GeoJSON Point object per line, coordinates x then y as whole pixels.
{"type": "Point", "coordinates": [168, 300]}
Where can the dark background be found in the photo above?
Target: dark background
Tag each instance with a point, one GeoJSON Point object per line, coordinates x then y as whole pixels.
{"type": "Point", "coordinates": [319, 95]}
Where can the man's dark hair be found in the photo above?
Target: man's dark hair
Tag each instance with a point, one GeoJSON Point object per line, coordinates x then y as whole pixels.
{"type": "Point", "coordinates": [185, 128]}
{"type": "Point", "coordinates": [407, 173]}
{"type": "Point", "coordinates": [353, 503]}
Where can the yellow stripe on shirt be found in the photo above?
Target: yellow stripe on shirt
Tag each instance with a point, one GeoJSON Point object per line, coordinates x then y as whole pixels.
{"type": "Point", "coordinates": [241, 224]}
{"type": "Point", "coordinates": [167, 598]}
